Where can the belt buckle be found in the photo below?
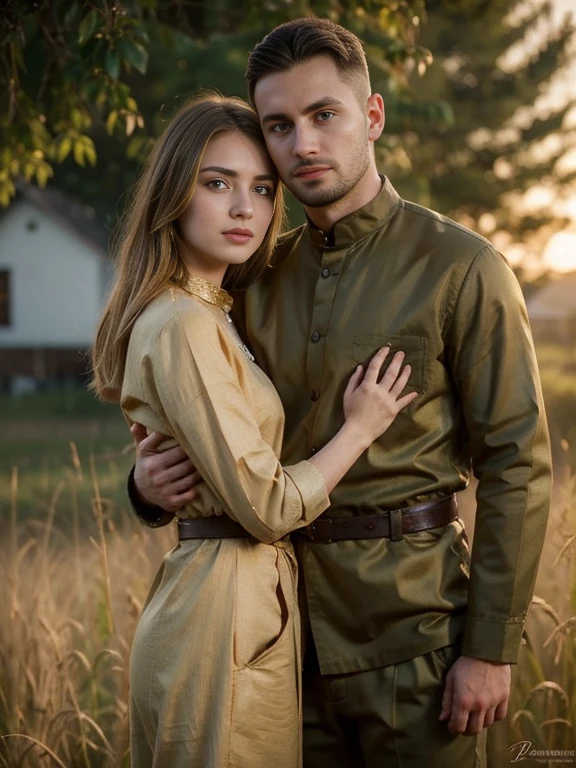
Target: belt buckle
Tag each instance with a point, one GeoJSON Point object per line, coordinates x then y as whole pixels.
{"type": "Point", "coordinates": [395, 518]}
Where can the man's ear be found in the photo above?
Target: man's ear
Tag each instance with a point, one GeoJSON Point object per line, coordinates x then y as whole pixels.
{"type": "Point", "coordinates": [376, 116]}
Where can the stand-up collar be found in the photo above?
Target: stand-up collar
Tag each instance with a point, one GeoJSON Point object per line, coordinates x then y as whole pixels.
{"type": "Point", "coordinates": [356, 225]}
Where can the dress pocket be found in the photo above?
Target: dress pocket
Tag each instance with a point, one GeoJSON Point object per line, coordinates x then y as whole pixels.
{"type": "Point", "coordinates": [414, 347]}
{"type": "Point", "coordinates": [264, 604]}
{"type": "Point", "coordinates": [265, 712]}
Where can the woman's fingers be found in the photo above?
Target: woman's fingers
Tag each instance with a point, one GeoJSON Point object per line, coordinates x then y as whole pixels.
{"type": "Point", "coordinates": [406, 400]}
{"type": "Point", "coordinates": [354, 381]}
{"type": "Point", "coordinates": [392, 371]}
{"type": "Point", "coordinates": [398, 386]}
{"type": "Point", "coordinates": [373, 370]}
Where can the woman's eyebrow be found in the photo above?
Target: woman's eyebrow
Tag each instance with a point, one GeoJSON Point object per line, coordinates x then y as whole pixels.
{"type": "Point", "coordinates": [230, 172]}
{"type": "Point", "coordinates": [219, 169]}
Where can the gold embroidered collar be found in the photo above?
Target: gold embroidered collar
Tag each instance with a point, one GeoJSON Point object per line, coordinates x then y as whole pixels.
{"type": "Point", "coordinates": [198, 286]}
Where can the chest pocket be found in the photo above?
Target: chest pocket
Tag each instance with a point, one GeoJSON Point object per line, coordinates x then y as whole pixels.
{"type": "Point", "coordinates": [414, 347]}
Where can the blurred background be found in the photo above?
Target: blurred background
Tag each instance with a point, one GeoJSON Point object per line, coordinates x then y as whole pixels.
{"type": "Point", "coordinates": [481, 126]}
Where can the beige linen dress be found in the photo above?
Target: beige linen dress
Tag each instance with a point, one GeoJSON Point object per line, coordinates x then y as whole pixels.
{"type": "Point", "coordinates": [215, 668]}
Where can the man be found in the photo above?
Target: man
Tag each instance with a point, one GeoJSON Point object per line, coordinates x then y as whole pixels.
{"type": "Point", "coordinates": [390, 597]}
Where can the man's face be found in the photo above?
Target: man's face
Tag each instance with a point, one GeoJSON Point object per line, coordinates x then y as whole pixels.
{"type": "Point", "coordinates": [315, 129]}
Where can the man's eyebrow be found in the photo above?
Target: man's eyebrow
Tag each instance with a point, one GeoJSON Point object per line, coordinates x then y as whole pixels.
{"type": "Point", "coordinates": [326, 101]}
{"type": "Point", "coordinates": [230, 172]}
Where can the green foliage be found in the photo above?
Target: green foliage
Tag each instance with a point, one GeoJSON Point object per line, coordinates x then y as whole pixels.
{"type": "Point", "coordinates": [69, 72]}
{"type": "Point", "coordinates": [497, 146]}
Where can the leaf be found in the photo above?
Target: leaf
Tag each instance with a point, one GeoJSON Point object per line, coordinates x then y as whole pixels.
{"type": "Point", "coordinates": [112, 63]}
{"type": "Point", "coordinates": [29, 170]}
{"type": "Point", "coordinates": [7, 190]}
{"type": "Point", "coordinates": [130, 124]}
{"type": "Point", "coordinates": [89, 150]}
{"type": "Point", "coordinates": [111, 121]}
{"type": "Point", "coordinates": [63, 149]}
{"type": "Point", "coordinates": [138, 146]}
{"type": "Point", "coordinates": [79, 151]}
{"type": "Point", "coordinates": [71, 13]}
{"type": "Point", "coordinates": [134, 53]}
{"type": "Point", "coordinates": [87, 27]}
{"type": "Point", "coordinates": [43, 173]}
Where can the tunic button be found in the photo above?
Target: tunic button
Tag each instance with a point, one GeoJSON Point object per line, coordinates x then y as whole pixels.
{"type": "Point", "coordinates": [315, 395]}
{"type": "Point", "coordinates": [315, 337]}
{"type": "Point", "coordinates": [326, 272]}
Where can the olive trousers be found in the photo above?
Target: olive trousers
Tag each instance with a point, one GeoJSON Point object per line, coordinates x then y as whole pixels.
{"type": "Point", "coordinates": [384, 718]}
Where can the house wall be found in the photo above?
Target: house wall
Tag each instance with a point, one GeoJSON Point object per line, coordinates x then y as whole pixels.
{"type": "Point", "coordinates": [57, 281]}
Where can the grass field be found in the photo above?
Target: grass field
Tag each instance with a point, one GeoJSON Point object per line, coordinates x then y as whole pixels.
{"type": "Point", "coordinates": [76, 566]}
{"type": "Point", "coordinates": [49, 437]}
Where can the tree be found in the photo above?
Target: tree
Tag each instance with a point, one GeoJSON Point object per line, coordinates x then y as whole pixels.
{"type": "Point", "coordinates": [499, 145]}
{"type": "Point", "coordinates": [70, 71]}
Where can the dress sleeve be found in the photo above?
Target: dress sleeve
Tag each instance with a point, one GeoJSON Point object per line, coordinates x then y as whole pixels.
{"type": "Point", "coordinates": [193, 382]}
{"type": "Point", "coordinates": [491, 356]}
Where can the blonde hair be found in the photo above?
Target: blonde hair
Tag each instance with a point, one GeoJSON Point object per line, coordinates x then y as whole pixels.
{"type": "Point", "coordinates": [146, 247]}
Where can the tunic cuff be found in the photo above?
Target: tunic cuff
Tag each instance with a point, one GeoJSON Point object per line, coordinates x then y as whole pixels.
{"type": "Point", "coordinates": [312, 488]}
{"type": "Point", "coordinates": [493, 639]}
{"type": "Point", "coordinates": [153, 516]}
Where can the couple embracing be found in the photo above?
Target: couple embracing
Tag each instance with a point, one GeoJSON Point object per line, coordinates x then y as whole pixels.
{"type": "Point", "coordinates": [337, 383]}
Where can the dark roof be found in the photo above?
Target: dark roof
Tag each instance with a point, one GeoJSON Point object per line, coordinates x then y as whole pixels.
{"type": "Point", "coordinates": [71, 213]}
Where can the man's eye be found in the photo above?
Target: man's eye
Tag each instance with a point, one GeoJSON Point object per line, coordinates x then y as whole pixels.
{"type": "Point", "coordinates": [325, 116]}
{"type": "Point", "coordinates": [213, 184]}
{"type": "Point", "coordinates": [262, 189]}
{"type": "Point", "coordinates": [280, 127]}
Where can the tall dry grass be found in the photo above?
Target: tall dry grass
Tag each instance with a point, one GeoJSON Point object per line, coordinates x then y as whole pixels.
{"type": "Point", "coordinates": [69, 606]}
{"type": "Point", "coordinates": [71, 597]}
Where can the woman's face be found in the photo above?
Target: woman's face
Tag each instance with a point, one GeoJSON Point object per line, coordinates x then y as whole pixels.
{"type": "Point", "coordinates": [229, 213]}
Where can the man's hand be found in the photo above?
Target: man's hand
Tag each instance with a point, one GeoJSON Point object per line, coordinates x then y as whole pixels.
{"type": "Point", "coordinates": [165, 479]}
{"type": "Point", "coordinates": [476, 695]}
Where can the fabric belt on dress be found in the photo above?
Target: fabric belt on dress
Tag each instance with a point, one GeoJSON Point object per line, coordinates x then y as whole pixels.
{"type": "Point", "coordinates": [214, 527]}
{"type": "Point", "coordinates": [389, 524]}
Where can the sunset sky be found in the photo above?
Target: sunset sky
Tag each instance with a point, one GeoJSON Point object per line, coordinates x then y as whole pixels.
{"type": "Point", "coordinates": [560, 253]}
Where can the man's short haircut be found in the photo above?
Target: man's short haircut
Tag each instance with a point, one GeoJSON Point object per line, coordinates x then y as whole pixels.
{"type": "Point", "coordinates": [300, 40]}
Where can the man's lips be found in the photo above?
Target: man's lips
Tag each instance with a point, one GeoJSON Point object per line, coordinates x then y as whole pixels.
{"type": "Point", "coordinates": [311, 172]}
{"type": "Point", "coordinates": [239, 235]}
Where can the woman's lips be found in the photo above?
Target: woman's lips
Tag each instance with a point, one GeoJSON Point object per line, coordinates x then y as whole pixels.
{"type": "Point", "coordinates": [234, 238]}
{"type": "Point", "coordinates": [239, 236]}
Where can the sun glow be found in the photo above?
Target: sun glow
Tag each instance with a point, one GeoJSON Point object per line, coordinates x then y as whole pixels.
{"type": "Point", "coordinates": [560, 253]}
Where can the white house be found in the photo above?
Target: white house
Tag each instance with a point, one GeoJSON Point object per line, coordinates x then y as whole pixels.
{"type": "Point", "coordinates": [54, 270]}
{"type": "Point", "coordinates": [552, 310]}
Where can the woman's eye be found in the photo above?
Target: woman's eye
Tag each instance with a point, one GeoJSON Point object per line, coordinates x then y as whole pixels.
{"type": "Point", "coordinates": [216, 184]}
{"type": "Point", "coordinates": [262, 189]}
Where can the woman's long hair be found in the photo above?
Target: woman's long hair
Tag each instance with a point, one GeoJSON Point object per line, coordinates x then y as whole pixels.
{"type": "Point", "coordinates": [146, 244]}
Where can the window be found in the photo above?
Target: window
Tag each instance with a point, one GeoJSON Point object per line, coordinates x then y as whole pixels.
{"type": "Point", "coordinates": [4, 297]}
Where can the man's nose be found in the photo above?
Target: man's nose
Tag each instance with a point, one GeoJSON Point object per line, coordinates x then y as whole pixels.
{"type": "Point", "coordinates": [304, 142]}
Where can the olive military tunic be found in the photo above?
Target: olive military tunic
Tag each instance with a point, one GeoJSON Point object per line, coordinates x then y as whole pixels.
{"type": "Point", "coordinates": [396, 273]}
{"type": "Point", "coordinates": [215, 662]}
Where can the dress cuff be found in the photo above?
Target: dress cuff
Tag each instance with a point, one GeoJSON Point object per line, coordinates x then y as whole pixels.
{"type": "Point", "coordinates": [493, 639]}
{"type": "Point", "coordinates": [149, 514]}
{"type": "Point", "coordinates": [312, 488]}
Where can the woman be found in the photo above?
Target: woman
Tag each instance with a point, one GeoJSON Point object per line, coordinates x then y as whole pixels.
{"type": "Point", "coordinates": [215, 661]}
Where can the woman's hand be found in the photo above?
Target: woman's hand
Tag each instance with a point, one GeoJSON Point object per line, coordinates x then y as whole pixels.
{"type": "Point", "coordinates": [370, 404]}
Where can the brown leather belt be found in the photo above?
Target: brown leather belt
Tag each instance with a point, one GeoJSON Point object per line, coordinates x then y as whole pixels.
{"type": "Point", "coordinates": [214, 527]}
{"type": "Point", "coordinates": [389, 524]}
